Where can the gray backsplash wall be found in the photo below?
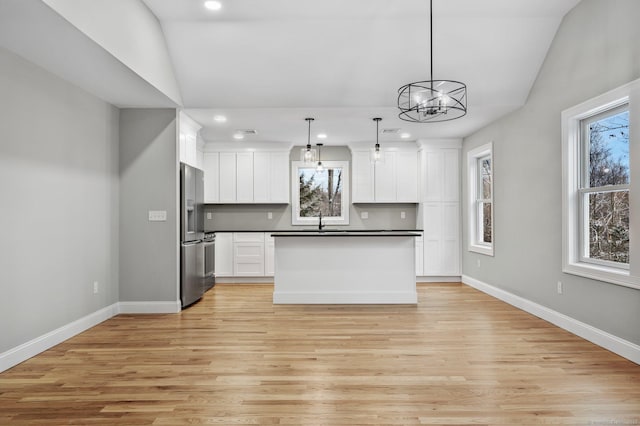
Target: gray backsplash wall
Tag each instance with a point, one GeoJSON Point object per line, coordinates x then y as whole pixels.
{"type": "Point", "coordinates": [248, 217]}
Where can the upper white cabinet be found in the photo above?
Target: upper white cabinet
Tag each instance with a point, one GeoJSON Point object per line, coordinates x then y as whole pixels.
{"type": "Point", "coordinates": [271, 177]}
{"type": "Point", "coordinates": [441, 175]}
{"type": "Point", "coordinates": [189, 148]}
{"type": "Point", "coordinates": [247, 177]}
{"type": "Point", "coordinates": [227, 179]}
{"type": "Point", "coordinates": [394, 179]}
{"type": "Point", "coordinates": [211, 166]}
{"type": "Point", "coordinates": [244, 177]}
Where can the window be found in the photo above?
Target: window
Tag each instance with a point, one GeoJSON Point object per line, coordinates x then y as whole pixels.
{"type": "Point", "coordinates": [480, 170]}
{"type": "Point", "coordinates": [597, 190]}
{"type": "Point", "coordinates": [604, 188]}
{"type": "Point", "coordinates": [323, 192]}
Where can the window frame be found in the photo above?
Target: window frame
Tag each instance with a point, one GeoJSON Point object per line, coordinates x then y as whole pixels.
{"type": "Point", "coordinates": [343, 219]}
{"type": "Point", "coordinates": [574, 222]}
{"type": "Point", "coordinates": [476, 242]}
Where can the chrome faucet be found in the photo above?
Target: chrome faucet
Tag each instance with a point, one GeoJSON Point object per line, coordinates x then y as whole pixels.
{"type": "Point", "coordinates": [320, 225]}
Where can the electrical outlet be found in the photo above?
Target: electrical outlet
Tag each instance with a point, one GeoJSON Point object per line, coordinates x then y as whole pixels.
{"type": "Point", "coordinates": [209, 216]}
{"type": "Point", "coordinates": [95, 287]}
{"type": "Point", "coordinates": [364, 215]}
{"type": "Point", "coordinates": [157, 215]}
{"type": "Point", "coordinates": [559, 287]}
{"type": "Point", "coordinates": [269, 215]}
{"type": "Point", "coordinates": [403, 215]}
{"type": "Point", "coordinates": [478, 263]}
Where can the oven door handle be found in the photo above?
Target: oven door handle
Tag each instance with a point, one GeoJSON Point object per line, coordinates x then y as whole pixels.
{"type": "Point", "coordinates": [208, 243]}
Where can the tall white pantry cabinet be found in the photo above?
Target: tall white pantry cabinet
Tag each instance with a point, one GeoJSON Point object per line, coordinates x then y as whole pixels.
{"type": "Point", "coordinates": [439, 208]}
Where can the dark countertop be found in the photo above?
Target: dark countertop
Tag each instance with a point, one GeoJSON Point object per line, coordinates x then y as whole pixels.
{"type": "Point", "coordinates": [345, 233]}
{"type": "Point", "coordinates": [315, 230]}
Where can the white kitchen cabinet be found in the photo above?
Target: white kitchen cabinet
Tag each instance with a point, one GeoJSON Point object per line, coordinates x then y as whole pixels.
{"type": "Point", "coordinates": [440, 209]}
{"type": "Point", "coordinates": [279, 177]}
{"type": "Point", "coordinates": [269, 255]}
{"type": "Point", "coordinates": [224, 254]}
{"type": "Point", "coordinates": [244, 177]}
{"type": "Point", "coordinates": [271, 177]}
{"type": "Point", "coordinates": [394, 179]}
{"type": "Point", "coordinates": [211, 167]}
{"type": "Point", "coordinates": [406, 177]}
{"type": "Point", "coordinates": [248, 254]}
{"type": "Point", "coordinates": [362, 177]}
{"type": "Point", "coordinates": [441, 171]}
{"type": "Point", "coordinates": [188, 140]}
{"type": "Point", "coordinates": [248, 177]}
{"type": "Point", "coordinates": [227, 178]}
{"type": "Point", "coordinates": [385, 179]}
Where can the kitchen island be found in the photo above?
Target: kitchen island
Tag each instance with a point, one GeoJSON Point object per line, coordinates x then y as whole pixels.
{"type": "Point", "coordinates": [338, 267]}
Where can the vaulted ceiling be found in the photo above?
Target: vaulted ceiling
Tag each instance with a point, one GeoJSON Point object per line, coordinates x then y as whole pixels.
{"type": "Point", "coordinates": [266, 65]}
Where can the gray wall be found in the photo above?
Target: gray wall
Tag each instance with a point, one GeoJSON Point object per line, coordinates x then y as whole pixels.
{"type": "Point", "coordinates": [596, 49]}
{"type": "Point", "coordinates": [59, 208]}
{"type": "Point", "coordinates": [149, 177]}
{"type": "Point", "coordinates": [240, 217]}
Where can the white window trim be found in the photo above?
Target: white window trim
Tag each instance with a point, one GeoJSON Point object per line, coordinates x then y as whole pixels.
{"type": "Point", "coordinates": [295, 195]}
{"type": "Point", "coordinates": [571, 245]}
{"type": "Point", "coordinates": [472, 167]}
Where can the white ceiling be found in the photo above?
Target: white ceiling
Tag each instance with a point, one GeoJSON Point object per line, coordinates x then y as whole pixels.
{"type": "Point", "coordinates": [267, 65]}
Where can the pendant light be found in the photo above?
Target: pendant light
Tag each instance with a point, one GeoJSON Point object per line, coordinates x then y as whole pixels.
{"type": "Point", "coordinates": [432, 100]}
{"type": "Point", "coordinates": [376, 150]}
{"type": "Point", "coordinates": [308, 154]}
{"type": "Point", "coordinates": [319, 167]}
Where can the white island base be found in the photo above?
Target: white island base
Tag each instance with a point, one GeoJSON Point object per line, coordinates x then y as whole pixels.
{"type": "Point", "coordinates": [341, 268]}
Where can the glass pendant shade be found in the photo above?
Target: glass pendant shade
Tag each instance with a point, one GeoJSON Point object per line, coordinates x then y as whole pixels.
{"type": "Point", "coordinates": [309, 156]}
{"type": "Point", "coordinates": [319, 166]}
{"type": "Point", "coordinates": [376, 155]}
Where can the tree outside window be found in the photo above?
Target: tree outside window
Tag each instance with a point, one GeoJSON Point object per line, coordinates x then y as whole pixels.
{"type": "Point", "coordinates": [605, 188]}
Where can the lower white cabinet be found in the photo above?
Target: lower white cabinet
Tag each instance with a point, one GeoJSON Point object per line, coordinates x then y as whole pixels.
{"type": "Point", "coordinates": [248, 254]}
{"type": "Point", "coordinates": [441, 239]}
{"type": "Point", "coordinates": [224, 254]}
{"type": "Point", "coordinates": [244, 254]}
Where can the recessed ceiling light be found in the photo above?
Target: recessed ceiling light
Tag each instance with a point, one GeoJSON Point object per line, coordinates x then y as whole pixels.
{"type": "Point", "coordinates": [405, 135]}
{"type": "Point", "coordinates": [322, 135]}
{"type": "Point", "coordinates": [219, 118]}
{"type": "Point", "coordinates": [238, 136]}
{"type": "Point", "coordinates": [213, 5]}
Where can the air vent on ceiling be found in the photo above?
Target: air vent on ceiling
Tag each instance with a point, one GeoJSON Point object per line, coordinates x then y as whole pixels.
{"type": "Point", "coordinates": [247, 131]}
{"type": "Point", "coordinates": [389, 131]}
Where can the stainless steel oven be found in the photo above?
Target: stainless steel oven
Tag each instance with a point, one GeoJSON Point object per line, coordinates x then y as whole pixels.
{"type": "Point", "coordinates": [209, 242]}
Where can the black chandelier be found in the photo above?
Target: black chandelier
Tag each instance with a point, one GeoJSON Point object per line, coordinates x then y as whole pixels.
{"type": "Point", "coordinates": [432, 100]}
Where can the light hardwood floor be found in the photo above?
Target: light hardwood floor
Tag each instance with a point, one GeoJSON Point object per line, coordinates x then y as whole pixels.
{"type": "Point", "coordinates": [458, 357]}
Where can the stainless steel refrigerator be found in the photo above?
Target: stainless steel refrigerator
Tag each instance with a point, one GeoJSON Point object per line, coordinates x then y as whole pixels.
{"type": "Point", "coordinates": [192, 247]}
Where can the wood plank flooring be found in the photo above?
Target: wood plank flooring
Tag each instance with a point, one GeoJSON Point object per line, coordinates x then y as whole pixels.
{"type": "Point", "coordinates": [458, 357]}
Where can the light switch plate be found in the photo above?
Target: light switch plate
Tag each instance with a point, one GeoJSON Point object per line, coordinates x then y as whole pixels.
{"type": "Point", "coordinates": [157, 215]}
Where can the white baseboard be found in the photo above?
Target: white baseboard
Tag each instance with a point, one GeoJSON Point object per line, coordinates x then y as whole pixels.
{"type": "Point", "coordinates": [615, 344]}
{"type": "Point", "coordinates": [244, 280]}
{"type": "Point", "coordinates": [149, 307]}
{"type": "Point", "coordinates": [438, 279]}
{"type": "Point", "coordinates": [40, 344]}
